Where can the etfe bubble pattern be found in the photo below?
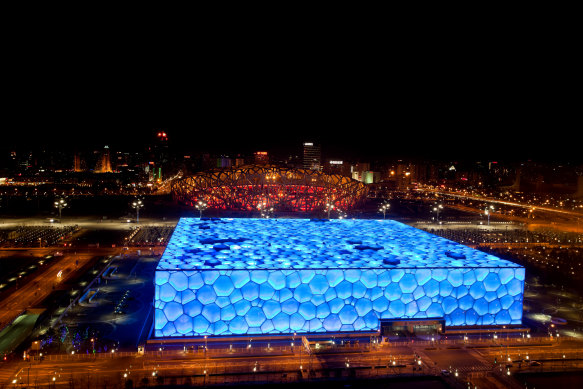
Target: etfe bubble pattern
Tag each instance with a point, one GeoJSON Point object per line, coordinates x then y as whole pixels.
{"type": "Point", "coordinates": [313, 244]}
{"type": "Point", "coordinates": [272, 298]}
{"type": "Point", "coordinates": [236, 302]}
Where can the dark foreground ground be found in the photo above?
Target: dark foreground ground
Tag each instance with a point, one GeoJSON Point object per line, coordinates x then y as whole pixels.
{"type": "Point", "coordinates": [392, 383]}
{"type": "Point", "coordinates": [572, 379]}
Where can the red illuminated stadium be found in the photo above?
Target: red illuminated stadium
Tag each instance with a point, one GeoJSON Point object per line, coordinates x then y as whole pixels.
{"type": "Point", "coordinates": [247, 188]}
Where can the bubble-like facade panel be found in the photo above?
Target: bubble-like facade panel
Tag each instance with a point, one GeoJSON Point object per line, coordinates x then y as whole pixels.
{"type": "Point", "coordinates": [278, 276]}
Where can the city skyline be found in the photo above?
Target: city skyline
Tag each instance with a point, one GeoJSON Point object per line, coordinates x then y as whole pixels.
{"type": "Point", "coordinates": [450, 145]}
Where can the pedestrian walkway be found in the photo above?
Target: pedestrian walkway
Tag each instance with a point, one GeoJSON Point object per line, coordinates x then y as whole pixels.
{"type": "Point", "coordinates": [18, 331]}
{"type": "Point", "coordinates": [8, 373]}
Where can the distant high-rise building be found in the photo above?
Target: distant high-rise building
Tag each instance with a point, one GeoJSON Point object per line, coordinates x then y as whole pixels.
{"type": "Point", "coordinates": [335, 166]}
{"type": "Point", "coordinates": [579, 193]}
{"type": "Point", "coordinates": [104, 162]}
{"type": "Point", "coordinates": [224, 161]}
{"type": "Point", "coordinates": [312, 156]}
{"type": "Point", "coordinates": [77, 163]}
{"type": "Point", "coordinates": [357, 170]}
{"type": "Point", "coordinates": [261, 157]}
{"type": "Point", "coordinates": [158, 156]}
{"type": "Point", "coordinates": [161, 155]}
{"type": "Point", "coordinates": [26, 160]}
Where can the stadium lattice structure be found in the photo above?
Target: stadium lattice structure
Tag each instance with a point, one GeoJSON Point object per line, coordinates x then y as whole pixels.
{"type": "Point", "coordinates": [250, 187]}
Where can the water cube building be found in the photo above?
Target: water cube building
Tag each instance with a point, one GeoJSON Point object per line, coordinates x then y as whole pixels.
{"type": "Point", "coordinates": [282, 276]}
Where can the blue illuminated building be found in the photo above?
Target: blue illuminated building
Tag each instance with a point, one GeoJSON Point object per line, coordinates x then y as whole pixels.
{"type": "Point", "coordinates": [280, 276]}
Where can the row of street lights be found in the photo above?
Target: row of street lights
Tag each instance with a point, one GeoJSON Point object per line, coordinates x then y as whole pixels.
{"type": "Point", "coordinates": [267, 212]}
{"type": "Point", "coordinates": [61, 203]}
{"type": "Point", "coordinates": [438, 207]}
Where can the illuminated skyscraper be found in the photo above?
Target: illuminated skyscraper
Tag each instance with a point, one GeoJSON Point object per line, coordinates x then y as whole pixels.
{"type": "Point", "coordinates": [312, 156]}
{"type": "Point", "coordinates": [104, 162]}
{"type": "Point", "coordinates": [77, 163]}
{"type": "Point", "coordinates": [160, 155]}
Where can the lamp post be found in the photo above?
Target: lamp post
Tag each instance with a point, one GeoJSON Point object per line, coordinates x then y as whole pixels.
{"type": "Point", "coordinates": [60, 204]}
{"type": "Point", "coordinates": [437, 208]}
{"type": "Point", "coordinates": [137, 204]}
{"type": "Point", "coordinates": [267, 212]}
{"type": "Point", "coordinates": [384, 209]}
{"type": "Point", "coordinates": [329, 207]}
{"type": "Point", "coordinates": [201, 206]}
{"type": "Point", "coordinates": [487, 212]}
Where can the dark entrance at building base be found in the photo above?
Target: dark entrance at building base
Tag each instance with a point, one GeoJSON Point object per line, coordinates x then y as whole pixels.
{"type": "Point", "coordinates": [412, 326]}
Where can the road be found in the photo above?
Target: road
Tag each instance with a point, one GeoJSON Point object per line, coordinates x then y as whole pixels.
{"type": "Point", "coordinates": [114, 370]}
{"type": "Point", "coordinates": [472, 362]}
{"type": "Point", "coordinates": [560, 219]}
{"type": "Point", "coordinates": [42, 283]}
{"type": "Point", "coordinates": [504, 202]}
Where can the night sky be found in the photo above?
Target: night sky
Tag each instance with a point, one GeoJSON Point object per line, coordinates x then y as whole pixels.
{"type": "Point", "coordinates": [482, 102]}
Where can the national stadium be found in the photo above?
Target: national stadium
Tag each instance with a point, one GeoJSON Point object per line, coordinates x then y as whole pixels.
{"type": "Point", "coordinates": [247, 188]}
{"type": "Point", "coordinates": [243, 276]}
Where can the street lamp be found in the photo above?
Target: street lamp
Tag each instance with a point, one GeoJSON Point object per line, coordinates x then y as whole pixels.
{"type": "Point", "coordinates": [137, 204]}
{"type": "Point", "coordinates": [201, 206]}
{"type": "Point", "coordinates": [266, 212]}
{"type": "Point", "coordinates": [329, 207]}
{"type": "Point", "coordinates": [487, 212]}
{"type": "Point", "coordinates": [437, 208]}
{"type": "Point", "coordinates": [60, 204]}
{"type": "Point", "coordinates": [384, 208]}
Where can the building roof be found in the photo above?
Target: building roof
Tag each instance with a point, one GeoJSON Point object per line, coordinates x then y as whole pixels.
{"type": "Point", "coordinates": [245, 244]}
